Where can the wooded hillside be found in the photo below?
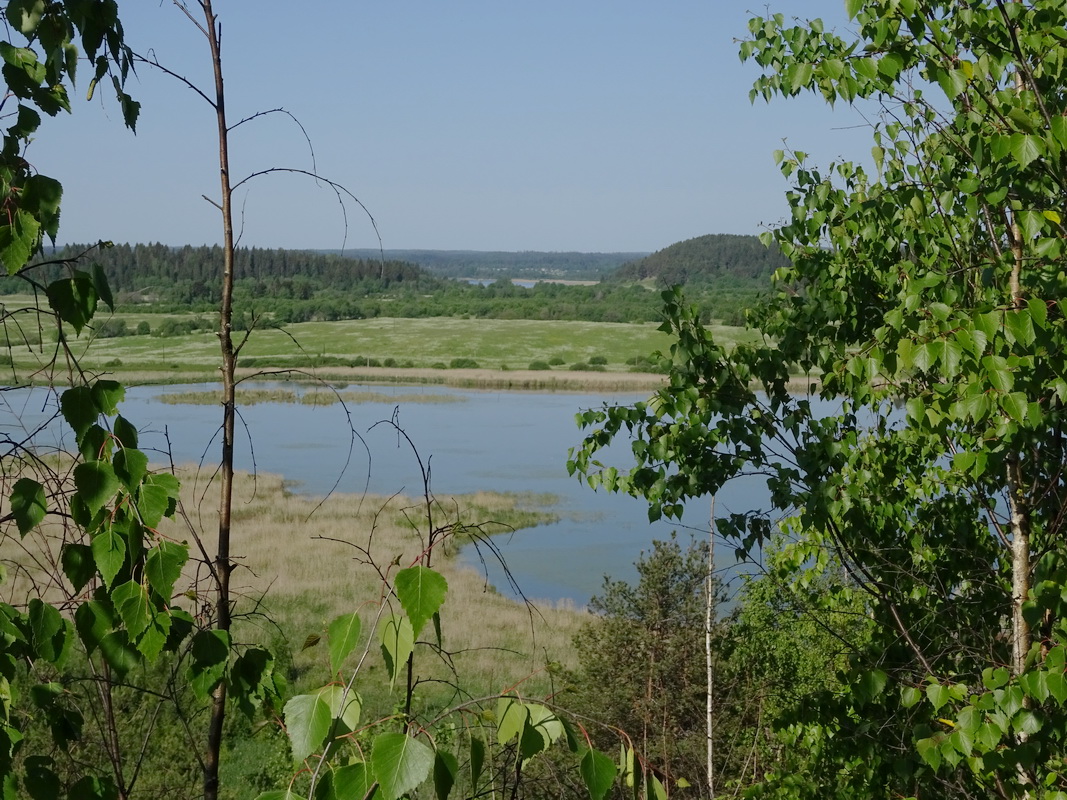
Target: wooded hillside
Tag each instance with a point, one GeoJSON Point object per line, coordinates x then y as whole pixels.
{"type": "Point", "coordinates": [720, 258]}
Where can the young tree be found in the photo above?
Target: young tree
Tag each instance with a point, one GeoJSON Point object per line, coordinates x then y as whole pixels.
{"type": "Point", "coordinates": [642, 664]}
{"type": "Point", "coordinates": [936, 282]}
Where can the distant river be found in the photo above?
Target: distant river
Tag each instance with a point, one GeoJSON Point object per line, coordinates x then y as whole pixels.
{"type": "Point", "coordinates": [498, 441]}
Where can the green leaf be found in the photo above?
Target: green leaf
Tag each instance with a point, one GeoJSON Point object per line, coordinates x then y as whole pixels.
{"type": "Point", "coordinates": [852, 7]}
{"type": "Point", "coordinates": [157, 498]}
{"type": "Point", "coordinates": [78, 408]}
{"type": "Point", "coordinates": [210, 651]}
{"type": "Point", "coordinates": [18, 241]}
{"type": "Point", "coordinates": [96, 483]}
{"type": "Point", "coordinates": [511, 716]}
{"type": "Point", "coordinates": [155, 636]}
{"type": "Point", "coordinates": [654, 789]}
{"type": "Point", "coordinates": [398, 643]}
{"type": "Point", "coordinates": [41, 781]}
{"type": "Point", "coordinates": [445, 771]}
{"type": "Point", "coordinates": [125, 432]}
{"type": "Point", "coordinates": [545, 722]}
{"type": "Point", "coordinates": [130, 467]}
{"type": "Point", "coordinates": [28, 504]}
{"type": "Point", "coordinates": [598, 773]}
{"type": "Point", "coordinates": [93, 621]}
{"type": "Point", "coordinates": [73, 299]}
{"type": "Point", "coordinates": [107, 395]}
{"type": "Point", "coordinates": [938, 695]}
{"type": "Point", "coordinates": [344, 636]}
{"type": "Point", "coordinates": [307, 721]}
{"type": "Point", "coordinates": [421, 592]}
{"type": "Point", "coordinates": [49, 631]}
{"type": "Point", "coordinates": [909, 696]}
{"type": "Point", "coordinates": [120, 655]}
{"type": "Point", "coordinates": [477, 759]}
{"type": "Point", "coordinates": [163, 567]}
{"type": "Point", "coordinates": [78, 564]}
{"type": "Point", "coordinates": [1056, 683]}
{"type": "Point", "coordinates": [994, 678]}
{"type": "Point", "coordinates": [871, 684]}
{"type": "Point", "coordinates": [25, 15]}
{"type": "Point", "coordinates": [131, 603]}
{"type": "Point", "coordinates": [354, 781]}
{"type": "Point", "coordinates": [400, 763]}
{"type": "Point", "coordinates": [1026, 722]}
{"type": "Point", "coordinates": [92, 787]}
{"type": "Point", "coordinates": [103, 289]}
{"type": "Point", "coordinates": [930, 752]}
{"type": "Point", "coordinates": [1025, 148]}
{"type": "Point", "coordinates": [346, 708]}
{"type": "Point", "coordinates": [1015, 406]}
{"type": "Point", "coordinates": [1021, 326]}
{"type": "Point", "coordinates": [109, 552]}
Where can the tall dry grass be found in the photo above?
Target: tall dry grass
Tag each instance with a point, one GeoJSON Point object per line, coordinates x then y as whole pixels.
{"type": "Point", "coordinates": [302, 561]}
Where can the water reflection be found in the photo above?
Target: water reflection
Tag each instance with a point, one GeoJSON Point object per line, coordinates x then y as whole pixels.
{"type": "Point", "coordinates": [508, 442]}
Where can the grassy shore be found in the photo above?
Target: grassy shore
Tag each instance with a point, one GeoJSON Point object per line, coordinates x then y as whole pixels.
{"type": "Point", "coordinates": [304, 560]}
{"type": "Point", "coordinates": [312, 397]}
{"type": "Point", "coordinates": [467, 353]}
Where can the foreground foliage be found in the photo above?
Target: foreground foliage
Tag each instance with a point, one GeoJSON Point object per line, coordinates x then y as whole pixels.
{"type": "Point", "coordinates": [122, 651]}
{"type": "Point", "coordinates": [936, 284]}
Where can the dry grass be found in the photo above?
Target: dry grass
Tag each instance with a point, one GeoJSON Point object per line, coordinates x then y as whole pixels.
{"type": "Point", "coordinates": [318, 397]}
{"type": "Point", "coordinates": [302, 561]}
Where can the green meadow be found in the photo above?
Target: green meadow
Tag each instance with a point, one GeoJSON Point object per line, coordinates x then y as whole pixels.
{"type": "Point", "coordinates": [383, 349]}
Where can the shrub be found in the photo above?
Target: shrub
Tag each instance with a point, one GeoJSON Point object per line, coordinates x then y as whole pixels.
{"type": "Point", "coordinates": [539, 365]}
{"type": "Point", "coordinates": [556, 361]}
{"type": "Point", "coordinates": [439, 365]}
{"type": "Point", "coordinates": [598, 360]}
{"type": "Point", "coordinates": [389, 362]}
{"type": "Point", "coordinates": [373, 362]}
{"type": "Point", "coordinates": [111, 329]}
{"type": "Point", "coordinates": [143, 328]}
{"type": "Point", "coordinates": [463, 363]}
{"type": "Point", "coordinates": [578, 366]}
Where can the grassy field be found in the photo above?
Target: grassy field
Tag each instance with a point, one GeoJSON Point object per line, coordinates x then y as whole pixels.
{"type": "Point", "coordinates": [399, 348]}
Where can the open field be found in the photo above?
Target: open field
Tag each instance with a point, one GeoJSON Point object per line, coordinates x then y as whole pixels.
{"type": "Point", "coordinates": [490, 352]}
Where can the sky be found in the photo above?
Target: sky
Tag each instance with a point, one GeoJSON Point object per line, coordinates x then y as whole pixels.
{"type": "Point", "coordinates": [558, 125]}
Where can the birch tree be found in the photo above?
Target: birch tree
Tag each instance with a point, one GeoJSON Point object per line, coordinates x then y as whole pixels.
{"type": "Point", "coordinates": [927, 276]}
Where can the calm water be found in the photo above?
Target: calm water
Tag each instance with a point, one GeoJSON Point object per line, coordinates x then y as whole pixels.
{"type": "Point", "coordinates": [508, 442]}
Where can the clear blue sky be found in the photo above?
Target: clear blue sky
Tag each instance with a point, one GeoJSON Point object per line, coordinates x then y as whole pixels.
{"type": "Point", "coordinates": [595, 125]}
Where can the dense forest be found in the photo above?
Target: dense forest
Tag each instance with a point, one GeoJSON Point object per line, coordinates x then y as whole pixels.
{"type": "Point", "coordinates": [716, 259]}
{"type": "Point", "coordinates": [300, 286]}
{"type": "Point", "coordinates": [524, 264]}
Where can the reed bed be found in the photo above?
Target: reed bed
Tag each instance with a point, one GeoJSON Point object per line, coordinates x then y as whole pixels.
{"type": "Point", "coordinates": [305, 560]}
{"type": "Point", "coordinates": [318, 397]}
{"type": "Point", "coordinates": [301, 561]}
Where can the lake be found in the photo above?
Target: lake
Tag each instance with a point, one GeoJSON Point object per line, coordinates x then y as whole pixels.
{"type": "Point", "coordinates": [497, 441]}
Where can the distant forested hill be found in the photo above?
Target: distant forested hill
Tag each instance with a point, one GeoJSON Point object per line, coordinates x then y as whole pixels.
{"type": "Point", "coordinates": [194, 273]}
{"type": "Point", "coordinates": [527, 264]}
{"type": "Point", "coordinates": [719, 258]}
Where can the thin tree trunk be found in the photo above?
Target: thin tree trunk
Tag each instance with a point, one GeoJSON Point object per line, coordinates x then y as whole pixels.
{"type": "Point", "coordinates": [223, 565]}
{"type": "Point", "coordinates": [709, 610]}
{"type": "Point", "coordinates": [1020, 517]}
